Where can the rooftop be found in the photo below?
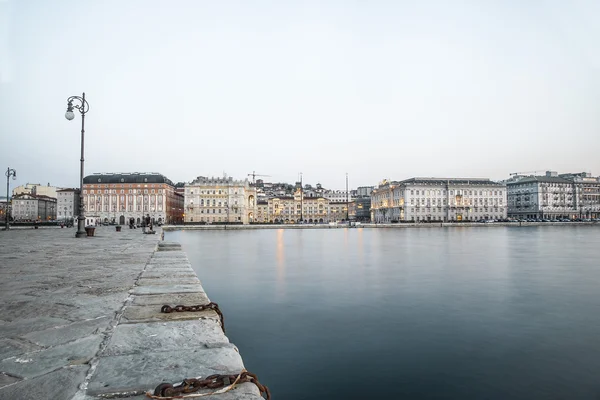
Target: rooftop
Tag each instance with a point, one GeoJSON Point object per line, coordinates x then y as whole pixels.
{"type": "Point", "coordinates": [545, 179]}
{"type": "Point", "coordinates": [127, 177]}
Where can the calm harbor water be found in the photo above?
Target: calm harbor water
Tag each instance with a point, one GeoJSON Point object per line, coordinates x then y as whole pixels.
{"type": "Point", "coordinates": [489, 312]}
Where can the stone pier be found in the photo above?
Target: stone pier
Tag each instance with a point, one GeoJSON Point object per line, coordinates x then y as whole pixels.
{"type": "Point", "coordinates": [80, 318]}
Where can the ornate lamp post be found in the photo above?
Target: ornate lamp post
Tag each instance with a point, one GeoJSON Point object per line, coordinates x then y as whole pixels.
{"type": "Point", "coordinates": [9, 172]}
{"type": "Point", "coordinates": [83, 108]}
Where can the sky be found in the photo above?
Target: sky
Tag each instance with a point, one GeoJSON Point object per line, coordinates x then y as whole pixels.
{"type": "Point", "coordinates": [377, 89]}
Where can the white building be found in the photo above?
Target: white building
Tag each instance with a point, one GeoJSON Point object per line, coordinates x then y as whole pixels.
{"type": "Point", "coordinates": [67, 204]}
{"type": "Point", "coordinates": [219, 200]}
{"type": "Point", "coordinates": [553, 196]}
{"type": "Point", "coordinates": [438, 199]}
{"type": "Point", "coordinates": [337, 196]}
{"type": "Point", "coordinates": [30, 207]}
{"type": "Point", "coordinates": [36, 189]}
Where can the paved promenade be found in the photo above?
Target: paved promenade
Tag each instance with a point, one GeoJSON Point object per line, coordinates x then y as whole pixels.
{"type": "Point", "coordinates": [80, 318]}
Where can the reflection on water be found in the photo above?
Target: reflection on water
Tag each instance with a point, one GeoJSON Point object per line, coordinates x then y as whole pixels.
{"type": "Point", "coordinates": [490, 312]}
{"type": "Point", "coordinates": [280, 262]}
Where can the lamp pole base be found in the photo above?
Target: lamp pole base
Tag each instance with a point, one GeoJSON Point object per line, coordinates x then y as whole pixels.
{"type": "Point", "coordinates": [81, 228]}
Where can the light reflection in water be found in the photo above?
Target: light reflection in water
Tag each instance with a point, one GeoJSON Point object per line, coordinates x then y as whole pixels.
{"type": "Point", "coordinates": [280, 256]}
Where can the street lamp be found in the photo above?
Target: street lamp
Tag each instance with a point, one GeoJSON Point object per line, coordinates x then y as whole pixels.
{"type": "Point", "coordinates": [9, 172]}
{"type": "Point", "coordinates": [83, 108]}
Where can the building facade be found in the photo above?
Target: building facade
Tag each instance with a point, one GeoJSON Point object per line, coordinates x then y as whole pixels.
{"type": "Point", "coordinates": [364, 191]}
{"type": "Point", "coordinates": [554, 196]}
{"type": "Point", "coordinates": [117, 197]}
{"type": "Point", "coordinates": [67, 204]}
{"type": "Point", "coordinates": [360, 209]}
{"type": "Point", "coordinates": [220, 200]}
{"type": "Point", "coordinates": [4, 209]}
{"type": "Point", "coordinates": [30, 207]}
{"type": "Point", "coordinates": [438, 199]}
{"type": "Point", "coordinates": [36, 189]}
{"type": "Point", "coordinates": [338, 196]}
{"type": "Point", "coordinates": [300, 209]}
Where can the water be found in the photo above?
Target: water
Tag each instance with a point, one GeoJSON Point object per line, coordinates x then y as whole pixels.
{"type": "Point", "coordinates": [490, 312]}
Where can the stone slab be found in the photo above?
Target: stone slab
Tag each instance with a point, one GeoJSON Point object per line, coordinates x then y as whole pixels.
{"type": "Point", "coordinates": [141, 290]}
{"type": "Point", "coordinates": [6, 380]}
{"type": "Point", "coordinates": [68, 333]}
{"type": "Point", "coordinates": [135, 372]}
{"type": "Point", "coordinates": [151, 313]}
{"type": "Point", "coordinates": [170, 254]}
{"type": "Point", "coordinates": [171, 299]}
{"type": "Point", "coordinates": [144, 337]}
{"type": "Point", "coordinates": [169, 249]}
{"type": "Point", "coordinates": [30, 324]}
{"type": "Point", "coordinates": [12, 347]}
{"type": "Point", "coordinates": [166, 269]}
{"type": "Point", "coordinates": [30, 365]}
{"type": "Point", "coordinates": [167, 281]}
{"type": "Point", "coordinates": [244, 391]}
{"type": "Point", "coordinates": [60, 384]}
{"type": "Point", "coordinates": [168, 274]}
{"type": "Point", "coordinates": [169, 244]}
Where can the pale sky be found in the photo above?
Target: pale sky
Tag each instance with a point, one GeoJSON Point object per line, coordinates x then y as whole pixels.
{"type": "Point", "coordinates": [377, 89]}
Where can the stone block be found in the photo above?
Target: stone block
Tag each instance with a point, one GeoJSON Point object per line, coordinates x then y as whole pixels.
{"type": "Point", "coordinates": [10, 347]}
{"type": "Point", "coordinates": [151, 313]}
{"type": "Point", "coordinates": [68, 333]}
{"type": "Point", "coordinates": [30, 365]}
{"type": "Point", "coordinates": [244, 391]}
{"type": "Point", "coordinates": [133, 372]}
{"type": "Point", "coordinates": [167, 268]}
{"type": "Point", "coordinates": [39, 323]}
{"type": "Point", "coordinates": [6, 380]}
{"type": "Point", "coordinates": [167, 281]}
{"type": "Point", "coordinates": [169, 244]}
{"type": "Point", "coordinates": [187, 299]}
{"type": "Point", "coordinates": [60, 384]}
{"type": "Point", "coordinates": [170, 254]}
{"type": "Point", "coordinates": [162, 289]}
{"type": "Point", "coordinates": [175, 335]}
{"type": "Point", "coordinates": [166, 274]}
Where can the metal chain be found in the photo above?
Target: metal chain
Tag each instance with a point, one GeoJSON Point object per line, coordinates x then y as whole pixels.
{"type": "Point", "coordinates": [210, 306]}
{"type": "Point", "coordinates": [168, 391]}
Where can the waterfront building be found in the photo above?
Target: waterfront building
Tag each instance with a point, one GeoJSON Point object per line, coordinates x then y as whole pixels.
{"type": "Point", "coordinates": [220, 200]}
{"type": "Point", "coordinates": [438, 199]}
{"type": "Point", "coordinates": [298, 208]}
{"type": "Point", "coordinates": [337, 211]}
{"type": "Point", "coordinates": [588, 194]}
{"type": "Point", "coordinates": [117, 197]}
{"type": "Point", "coordinates": [554, 196]}
{"type": "Point", "coordinates": [36, 189]}
{"type": "Point", "coordinates": [262, 211]}
{"type": "Point", "coordinates": [360, 209]}
{"type": "Point", "coordinates": [4, 207]}
{"type": "Point", "coordinates": [338, 196]}
{"type": "Point", "coordinates": [31, 207]}
{"type": "Point", "coordinates": [364, 191]}
{"type": "Point", "coordinates": [67, 204]}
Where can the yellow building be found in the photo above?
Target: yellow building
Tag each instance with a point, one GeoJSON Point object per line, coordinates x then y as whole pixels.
{"type": "Point", "coordinates": [293, 210]}
{"type": "Point", "coordinates": [220, 200]}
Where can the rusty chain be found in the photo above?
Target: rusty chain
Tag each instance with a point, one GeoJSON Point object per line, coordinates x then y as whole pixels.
{"type": "Point", "coordinates": [201, 307]}
{"type": "Point", "coordinates": [169, 391]}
